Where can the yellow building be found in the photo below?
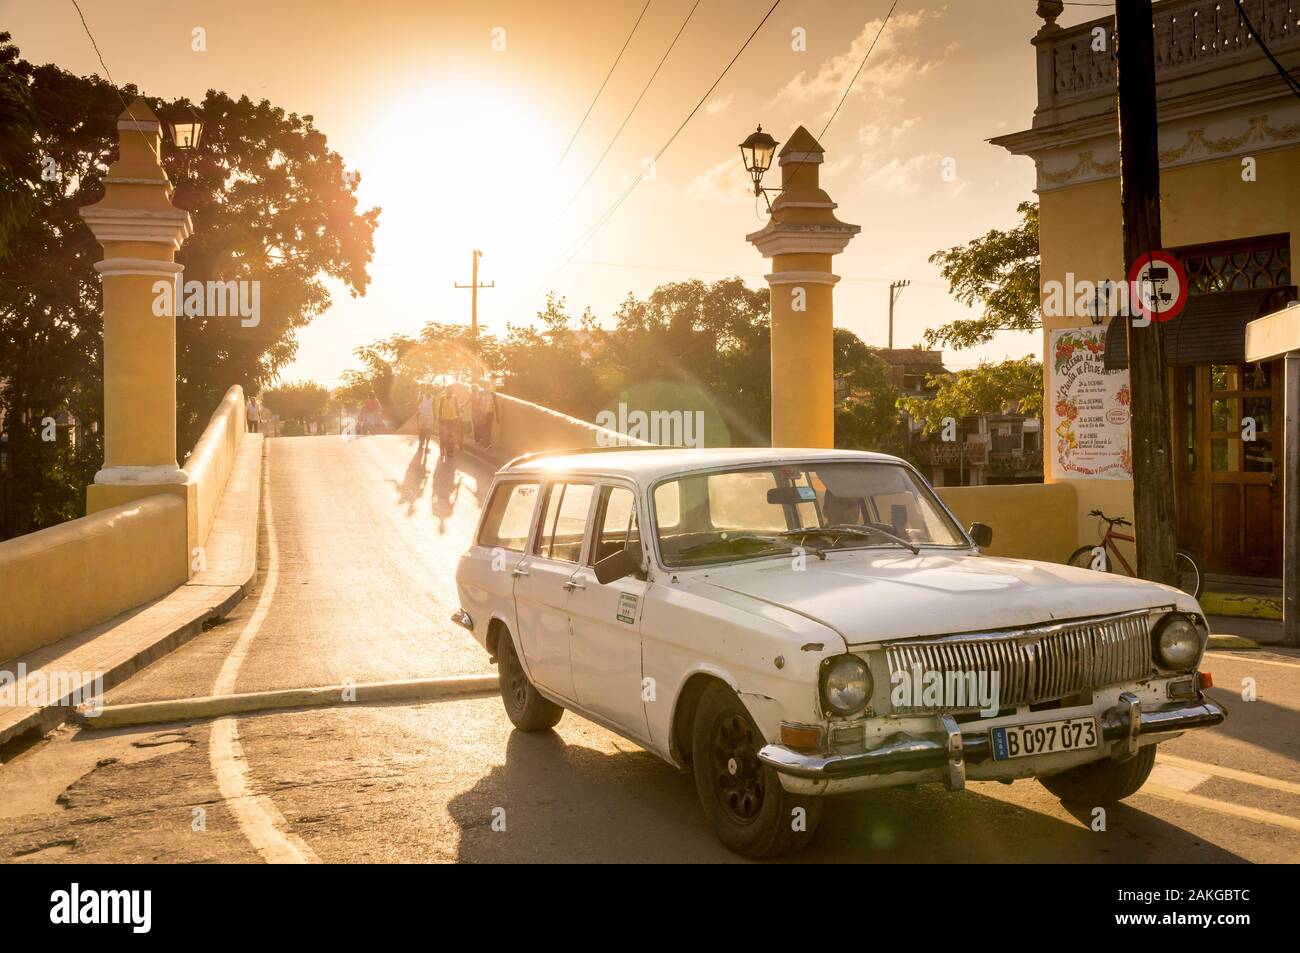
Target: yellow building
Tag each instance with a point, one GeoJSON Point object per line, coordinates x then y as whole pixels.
{"type": "Point", "coordinates": [1229, 143]}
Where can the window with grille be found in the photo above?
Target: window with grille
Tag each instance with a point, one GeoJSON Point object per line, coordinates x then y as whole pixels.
{"type": "Point", "coordinates": [1238, 266]}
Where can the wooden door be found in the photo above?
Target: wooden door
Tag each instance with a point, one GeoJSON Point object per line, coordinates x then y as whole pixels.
{"type": "Point", "coordinates": [1228, 487]}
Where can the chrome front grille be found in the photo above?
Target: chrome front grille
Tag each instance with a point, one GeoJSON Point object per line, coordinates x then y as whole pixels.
{"type": "Point", "coordinates": [1033, 665]}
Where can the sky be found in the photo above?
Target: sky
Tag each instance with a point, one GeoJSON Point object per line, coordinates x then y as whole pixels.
{"type": "Point", "coordinates": [455, 115]}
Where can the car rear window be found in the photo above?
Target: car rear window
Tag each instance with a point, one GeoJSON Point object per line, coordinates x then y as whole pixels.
{"type": "Point", "coordinates": [509, 516]}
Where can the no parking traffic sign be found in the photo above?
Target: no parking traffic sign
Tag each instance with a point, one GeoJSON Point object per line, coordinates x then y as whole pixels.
{"type": "Point", "coordinates": [1159, 286]}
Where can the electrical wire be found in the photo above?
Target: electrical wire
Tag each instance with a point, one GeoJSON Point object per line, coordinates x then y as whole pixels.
{"type": "Point", "coordinates": [592, 106]}
{"type": "Point", "coordinates": [645, 89]}
{"type": "Point", "coordinates": [1290, 80]}
{"type": "Point", "coordinates": [579, 243]}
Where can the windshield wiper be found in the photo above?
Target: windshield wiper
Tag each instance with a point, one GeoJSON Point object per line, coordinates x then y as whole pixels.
{"type": "Point", "coordinates": [771, 541]}
{"type": "Point", "coordinates": [848, 529]}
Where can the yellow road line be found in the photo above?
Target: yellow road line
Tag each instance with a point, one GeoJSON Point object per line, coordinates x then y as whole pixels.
{"type": "Point", "coordinates": [259, 819]}
{"type": "Point", "coordinates": [1222, 807]}
{"type": "Point", "coordinates": [1246, 777]}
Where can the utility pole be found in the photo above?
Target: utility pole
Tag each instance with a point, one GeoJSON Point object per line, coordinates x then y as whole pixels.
{"type": "Point", "coordinates": [1153, 477]}
{"type": "Point", "coordinates": [473, 287]}
{"type": "Point", "coordinates": [895, 292]}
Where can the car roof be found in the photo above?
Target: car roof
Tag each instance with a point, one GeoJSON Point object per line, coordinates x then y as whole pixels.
{"type": "Point", "coordinates": [645, 465]}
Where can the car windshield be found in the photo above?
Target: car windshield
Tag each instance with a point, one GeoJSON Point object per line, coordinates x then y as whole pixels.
{"type": "Point", "coordinates": [747, 514]}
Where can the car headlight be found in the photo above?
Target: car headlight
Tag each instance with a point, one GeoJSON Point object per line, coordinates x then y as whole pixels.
{"type": "Point", "coordinates": [846, 684]}
{"type": "Point", "coordinates": [1176, 642]}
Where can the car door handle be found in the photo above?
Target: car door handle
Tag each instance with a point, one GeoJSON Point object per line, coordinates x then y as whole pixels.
{"type": "Point", "coordinates": [519, 572]}
{"type": "Point", "coordinates": [571, 585]}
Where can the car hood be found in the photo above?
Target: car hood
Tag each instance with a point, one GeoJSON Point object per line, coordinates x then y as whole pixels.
{"type": "Point", "coordinates": [883, 595]}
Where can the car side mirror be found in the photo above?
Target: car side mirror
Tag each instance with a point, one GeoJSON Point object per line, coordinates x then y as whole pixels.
{"type": "Point", "coordinates": [981, 534]}
{"type": "Point", "coordinates": [616, 566]}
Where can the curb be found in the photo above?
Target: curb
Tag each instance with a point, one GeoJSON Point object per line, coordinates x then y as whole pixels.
{"type": "Point", "coordinates": [218, 601]}
{"type": "Point", "coordinates": [216, 706]}
{"type": "Point", "coordinates": [1241, 605]}
{"type": "Point", "coordinates": [1231, 642]}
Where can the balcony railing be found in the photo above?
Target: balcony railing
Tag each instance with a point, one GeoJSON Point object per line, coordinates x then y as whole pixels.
{"type": "Point", "coordinates": [952, 454]}
{"type": "Point", "coordinates": [1190, 35]}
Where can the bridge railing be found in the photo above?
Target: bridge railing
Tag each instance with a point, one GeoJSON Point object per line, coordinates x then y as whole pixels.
{"type": "Point", "coordinates": [66, 578]}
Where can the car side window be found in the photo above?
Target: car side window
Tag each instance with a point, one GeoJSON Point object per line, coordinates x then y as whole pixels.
{"type": "Point", "coordinates": [509, 516]}
{"type": "Point", "coordinates": [618, 526]}
{"type": "Point", "coordinates": [565, 524]}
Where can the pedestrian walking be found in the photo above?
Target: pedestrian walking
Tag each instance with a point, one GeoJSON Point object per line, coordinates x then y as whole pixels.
{"type": "Point", "coordinates": [424, 420]}
{"type": "Point", "coordinates": [253, 414]}
{"type": "Point", "coordinates": [449, 423]}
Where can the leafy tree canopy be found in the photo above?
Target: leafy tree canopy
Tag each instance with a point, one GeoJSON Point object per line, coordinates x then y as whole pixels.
{"type": "Point", "coordinates": [997, 273]}
{"type": "Point", "coordinates": [1011, 386]}
{"type": "Point", "coordinates": [269, 204]}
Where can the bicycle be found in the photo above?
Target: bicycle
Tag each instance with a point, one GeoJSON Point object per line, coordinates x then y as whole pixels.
{"type": "Point", "coordinates": [1189, 573]}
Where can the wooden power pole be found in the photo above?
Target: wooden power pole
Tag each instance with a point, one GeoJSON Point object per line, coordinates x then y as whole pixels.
{"type": "Point", "coordinates": [473, 287]}
{"type": "Point", "coordinates": [1153, 477]}
{"type": "Point", "coordinates": [895, 289]}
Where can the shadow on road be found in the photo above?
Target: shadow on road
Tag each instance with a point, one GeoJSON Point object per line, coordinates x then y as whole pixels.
{"type": "Point", "coordinates": [446, 488]}
{"type": "Point", "coordinates": [567, 802]}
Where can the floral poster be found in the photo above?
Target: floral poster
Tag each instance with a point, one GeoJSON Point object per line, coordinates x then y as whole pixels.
{"type": "Point", "coordinates": [1088, 409]}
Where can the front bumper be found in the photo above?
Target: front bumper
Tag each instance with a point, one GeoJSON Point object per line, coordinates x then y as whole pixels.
{"type": "Point", "coordinates": [949, 753]}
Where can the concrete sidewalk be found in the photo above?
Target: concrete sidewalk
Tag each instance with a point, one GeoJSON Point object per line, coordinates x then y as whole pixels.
{"type": "Point", "coordinates": [52, 680]}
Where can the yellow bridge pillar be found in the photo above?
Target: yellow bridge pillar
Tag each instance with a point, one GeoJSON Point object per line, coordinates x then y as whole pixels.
{"type": "Point", "coordinates": [800, 239]}
{"type": "Point", "coordinates": [140, 231]}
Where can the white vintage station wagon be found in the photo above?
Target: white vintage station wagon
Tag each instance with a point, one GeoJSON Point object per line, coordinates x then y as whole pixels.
{"type": "Point", "coordinates": [795, 623]}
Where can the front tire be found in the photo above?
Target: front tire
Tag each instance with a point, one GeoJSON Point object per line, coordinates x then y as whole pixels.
{"type": "Point", "coordinates": [753, 815]}
{"type": "Point", "coordinates": [527, 709]}
{"type": "Point", "coordinates": [1103, 782]}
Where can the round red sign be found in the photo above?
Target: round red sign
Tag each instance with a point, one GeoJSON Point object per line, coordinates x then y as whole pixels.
{"type": "Point", "coordinates": [1157, 286]}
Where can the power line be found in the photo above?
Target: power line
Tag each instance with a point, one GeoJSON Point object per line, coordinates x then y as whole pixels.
{"type": "Point", "coordinates": [125, 108]}
{"type": "Point", "coordinates": [582, 240]}
{"type": "Point", "coordinates": [617, 59]}
{"type": "Point", "coordinates": [1290, 80]}
{"type": "Point", "coordinates": [628, 117]}
{"type": "Point", "coordinates": [849, 88]}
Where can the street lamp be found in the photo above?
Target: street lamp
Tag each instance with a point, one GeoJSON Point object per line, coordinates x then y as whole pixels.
{"type": "Point", "coordinates": [184, 127]}
{"type": "Point", "coordinates": [756, 152]}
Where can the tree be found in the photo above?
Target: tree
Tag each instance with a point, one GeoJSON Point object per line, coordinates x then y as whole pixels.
{"type": "Point", "coordinates": [270, 205]}
{"type": "Point", "coordinates": [19, 128]}
{"type": "Point", "coordinates": [867, 419]}
{"type": "Point", "coordinates": [1011, 386]}
{"type": "Point", "coordinates": [302, 402]}
{"type": "Point", "coordinates": [998, 273]}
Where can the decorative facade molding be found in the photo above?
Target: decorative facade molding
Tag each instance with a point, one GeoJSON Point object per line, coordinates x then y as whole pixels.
{"type": "Point", "coordinates": [153, 267]}
{"type": "Point", "coordinates": [162, 226]}
{"type": "Point", "coordinates": [801, 278]}
{"type": "Point", "coordinates": [142, 475]}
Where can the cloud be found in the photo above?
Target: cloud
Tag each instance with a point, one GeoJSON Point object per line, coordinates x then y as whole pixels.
{"type": "Point", "coordinates": [888, 72]}
{"type": "Point", "coordinates": [726, 183]}
{"type": "Point", "coordinates": [906, 175]}
{"type": "Point", "coordinates": [719, 105]}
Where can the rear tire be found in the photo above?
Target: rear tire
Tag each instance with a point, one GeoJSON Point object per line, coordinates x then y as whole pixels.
{"type": "Point", "coordinates": [527, 709]}
{"type": "Point", "coordinates": [753, 815]}
{"type": "Point", "coordinates": [1103, 782]}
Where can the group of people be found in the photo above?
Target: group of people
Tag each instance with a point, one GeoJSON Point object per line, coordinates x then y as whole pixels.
{"type": "Point", "coordinates": [450, 414]}
{"type": "Point", "coordinates": [443, 408]}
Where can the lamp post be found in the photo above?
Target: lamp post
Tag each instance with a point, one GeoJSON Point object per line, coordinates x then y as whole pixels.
{"type": "Point", "coordinates": [801, 237]}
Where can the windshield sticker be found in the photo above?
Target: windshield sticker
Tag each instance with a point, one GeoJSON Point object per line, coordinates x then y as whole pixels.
{"type": "Point", "coordinates": [627, 603]}
{"type": "Point", "coordinates": [807, 493]}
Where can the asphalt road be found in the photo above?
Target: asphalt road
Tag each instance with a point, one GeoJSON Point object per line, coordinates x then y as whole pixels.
{"type": "Point", "coordinates": [359, 541]}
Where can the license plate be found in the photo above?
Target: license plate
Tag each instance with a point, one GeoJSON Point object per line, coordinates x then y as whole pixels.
{"type": "Point", "coordinates": [1045, 737]}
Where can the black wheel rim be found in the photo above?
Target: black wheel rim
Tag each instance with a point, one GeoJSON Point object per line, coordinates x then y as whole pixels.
{"type": "Point", "coordinates": [516, 682]}
{"type": "Point", "coordinates": [736, 768]}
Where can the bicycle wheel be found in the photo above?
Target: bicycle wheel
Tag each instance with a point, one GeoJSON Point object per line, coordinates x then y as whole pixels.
{"type": "Point", "coordinates": [1083, 557]}
{"type": "Point", "coordinates": [1188, 574]}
